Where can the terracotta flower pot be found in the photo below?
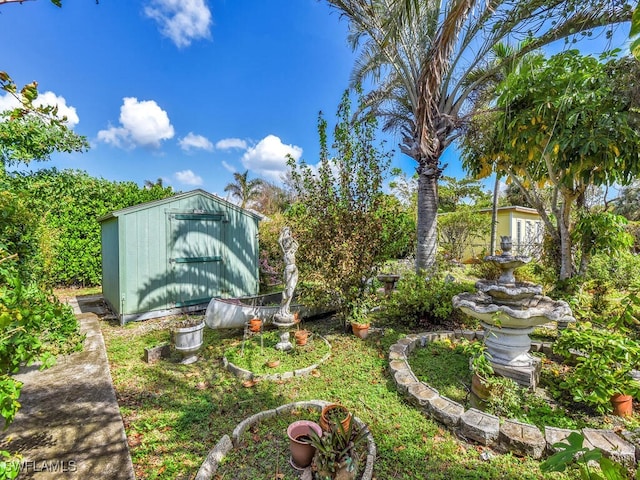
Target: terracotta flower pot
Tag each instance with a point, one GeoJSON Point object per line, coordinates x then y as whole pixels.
{"type": "Point", "coordinates": [255, 324]}
{"type": "Point", "coordinates": [360, 330]}
{"type": "Point", "coordinates": [273, 363]}
{"type": "Point", "coordinates": [622, 405]}
{"type": "Point", "coordinates": [301, 450]}
{"type": "Point", "coordinates": [479, 387]}
{"type": "Point", "coordinates": [301, 337]}
{"type": "Point", "coordinates": [332, 411]}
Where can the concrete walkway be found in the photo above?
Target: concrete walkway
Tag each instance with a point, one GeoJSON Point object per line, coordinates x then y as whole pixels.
{"type": "Point", "coordinates": [69, 425]}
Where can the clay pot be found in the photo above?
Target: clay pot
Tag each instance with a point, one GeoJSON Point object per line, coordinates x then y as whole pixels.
{"type": "Point", "coordinates": [302, 451]}
{"type": "Point", "coordinates": [301, 337]}
{"type": "Point", "coordinates": [273, 363]}
{"type": "Point", "coordinates": [330, 412]}
{"type": "Point", "coordinates": [622, 405]}
{"type": "Point", "coordinates": [360, 330]}
{"type": "Point", "coordinates": [479, 387]}
{"type": "Point", "coordinates": [255, 324]}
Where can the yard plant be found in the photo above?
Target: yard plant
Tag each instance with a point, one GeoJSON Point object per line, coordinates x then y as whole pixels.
{"type": "Point", "coordinates": [175, 413]}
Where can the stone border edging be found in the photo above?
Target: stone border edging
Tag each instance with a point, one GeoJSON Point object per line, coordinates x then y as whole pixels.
{"type": "Point", "coordinates": [505, 435]}
{"type": "Point", "coordinates": [249, 375]}
{"type": "Point", "coordinates": [225, 444]}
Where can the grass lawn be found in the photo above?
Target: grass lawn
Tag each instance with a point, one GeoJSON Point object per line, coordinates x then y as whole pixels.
{"type": "Point", "coordinates": [174, 414]}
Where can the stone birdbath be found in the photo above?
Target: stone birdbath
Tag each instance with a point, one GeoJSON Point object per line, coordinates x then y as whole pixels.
{"type": "Point", "coordinates": [509, 311]}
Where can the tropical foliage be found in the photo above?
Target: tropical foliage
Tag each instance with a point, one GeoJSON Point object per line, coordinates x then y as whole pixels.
{"type": "Point", "coordinates": [422, 58]}
{"type": "Point", "coordinates": [245, 191]}
{"type": "Point", "coordinates": [67, 205]}
{"type": "Point", "coordinates": [605, 361]}
{"type": "Point", "coordinates": [460, 229]}
{"type": "Point", "coordinates": [569, 122]}
{"type": "Point", "coordinates": [421, 301]}
{"type": "Point", "coordinates": [32, 132]}
{"type": "Point", "coordinates": [338, 214]}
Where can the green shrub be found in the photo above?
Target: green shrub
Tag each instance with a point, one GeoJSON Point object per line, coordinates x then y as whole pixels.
{"type": "Point", "coordinates": [34, 325]}
{"type": "Point", "coordinates": [619, 271]}
{"type": "Point", "coordinates": [67, 205]}
{"type": "Point", "coordinates": [605, 360]}
{"type": "Point", "coordinates": [420, 300]}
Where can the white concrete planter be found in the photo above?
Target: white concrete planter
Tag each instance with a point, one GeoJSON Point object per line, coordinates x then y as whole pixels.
{"type": "Point", "coordinates": [188, 341]}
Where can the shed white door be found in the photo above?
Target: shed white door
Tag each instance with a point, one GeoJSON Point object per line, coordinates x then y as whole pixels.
{"type": "Point", "coordinates": [195, 257]}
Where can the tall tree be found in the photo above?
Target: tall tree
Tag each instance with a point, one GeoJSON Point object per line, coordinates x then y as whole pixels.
{"type": "Point", "coordinates": [420, 55]}
{"type": "Point", "coordinates": [568, 122]}
{"type": "Point", "coordinates": [244, 190]}
{"type": "Point", "coordinates": [634, 33]}
{"type": "Point", "coordinates": [452, 192]}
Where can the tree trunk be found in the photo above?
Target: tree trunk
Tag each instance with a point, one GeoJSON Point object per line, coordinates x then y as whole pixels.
{"type": "Point", "coordinates": [494, 217]}
{"type": "Point", "coordinates": [427, 239]}
{"type": "Point", "coordinates": [566, 255]}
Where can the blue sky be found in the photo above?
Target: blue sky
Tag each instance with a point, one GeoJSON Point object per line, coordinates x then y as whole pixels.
{"type": "Point", "coordinates": [185, 90]}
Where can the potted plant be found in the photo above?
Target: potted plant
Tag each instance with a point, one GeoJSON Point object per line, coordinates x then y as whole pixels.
{"type": "Point", "coordinates": [333, 414]}
{"type": "Point", "coordinates": [272, 362]}
{"type": "Point", "coordinates": [604, 363]}
{"type": "Point", "coordinates": [301, 337]}
{"type": "Point", "coordinates": [480, 366]}
{"type": "Point", "coordinates": [187, 338]}
{"type": "Point", "coordinates": [302, 452]}
{"type": "Point", "coordinates": [336, 455]}
{"type": "Point", "coordinates": [359, 317]}
{"type": "Point", "coordinates": [255, 324]}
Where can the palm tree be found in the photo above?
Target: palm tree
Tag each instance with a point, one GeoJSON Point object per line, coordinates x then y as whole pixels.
{"type": "Point", "coordinates": [420, 56]}
{"type": "Point", "coordinates": [149, 184]}
{"type": "Point", "coordinates": [243, 189]}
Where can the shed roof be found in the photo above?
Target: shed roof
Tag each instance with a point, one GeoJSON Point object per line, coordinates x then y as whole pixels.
{"type": "Point", "coordinates": [178, 196]}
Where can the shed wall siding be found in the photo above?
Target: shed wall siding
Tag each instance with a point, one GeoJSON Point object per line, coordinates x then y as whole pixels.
{"type": "Point", "coordinates": [110, 264]}
{"type": "Point", "coordinates": [242, 255]}
{"type": "Point", "coordinates": [168, 261]}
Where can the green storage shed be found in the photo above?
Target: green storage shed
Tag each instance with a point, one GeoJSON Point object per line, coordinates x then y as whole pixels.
{"type": "Point", "coordinates": [173, 255]}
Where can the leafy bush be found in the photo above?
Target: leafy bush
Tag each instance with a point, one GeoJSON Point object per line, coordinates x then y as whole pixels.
{"type": "Point", "coordinates": [421, 300]}
{"type": "Point", "coordinates": [619, 271]}
{"type": "Point", "coordinates": [337, 214]}
{"type": "Point", "coordinates": [35, 326]}
{"type": "Point", "coordinates": [68, 204]}
{"type": "Point", "coordinates": [271, 256]}
{"type": "Point", "coordinates": [19, 234]}
{"type": "Point", "coordinates": [605, 360]}
{"type": "Point", "coordinates": [457, 230]}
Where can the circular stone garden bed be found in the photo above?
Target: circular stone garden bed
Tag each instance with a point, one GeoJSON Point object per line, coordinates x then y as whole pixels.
{"type": "Point", "coordinates": [259, 447]}
{"type": "Point", "coordinates": [502, 434]}
{"type": "Point", "coordinates": [252, 360]}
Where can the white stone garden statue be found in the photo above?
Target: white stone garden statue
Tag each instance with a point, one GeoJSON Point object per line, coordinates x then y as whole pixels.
{"type": "Point", "coordinates": [284, 319]}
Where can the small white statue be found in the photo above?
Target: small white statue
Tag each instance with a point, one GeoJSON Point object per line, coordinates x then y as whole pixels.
{"type": "Point", "coordinates": [289, 248]}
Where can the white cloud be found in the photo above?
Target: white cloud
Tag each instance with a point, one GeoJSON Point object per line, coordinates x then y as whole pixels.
{"type": "Point", "coordinates": [187, 177]}
{"type": "Point", "coordinates": [229, 143]}
{"type": "Point", "coordinates": [9, 102]}
{"type": "Point", "coordinates": [193, 141]}
{"type": "Point", "coordinates": [142, 124]}
{"type": "Point", "coordinates": [228, 167]}
{"type": "Point", "coordinates": [268, 159]}
{"type": "Point", "coordinates": [181, 20]}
